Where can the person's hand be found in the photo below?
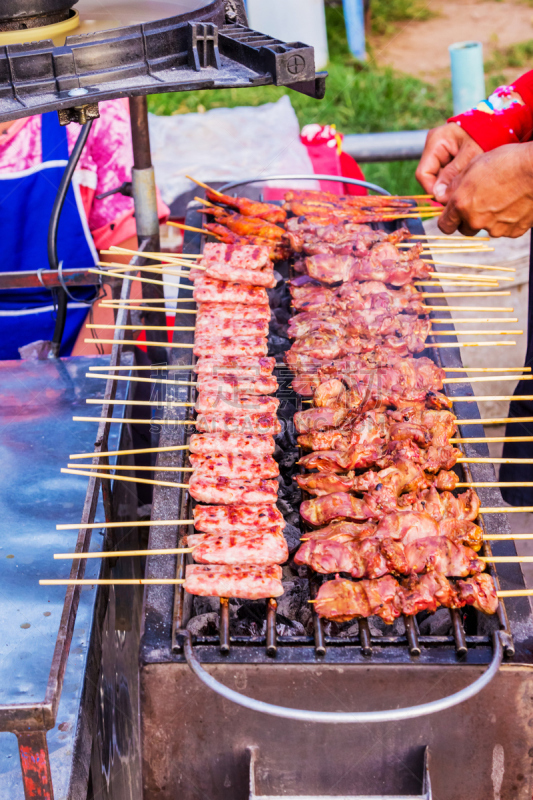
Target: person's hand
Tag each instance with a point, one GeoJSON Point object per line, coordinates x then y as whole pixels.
{"type": "Point", "coordinates": [448, 151]}
{"type": "Point", "coordinates": [494, 193]}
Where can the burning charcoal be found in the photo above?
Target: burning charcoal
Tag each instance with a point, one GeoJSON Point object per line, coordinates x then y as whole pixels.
{"type": "Point", "coordinates": [204, 605]}
{"type": "Point", "coordinates": [289, 628]}
{"type": "Point", "coordinates": [277, 344]}
{"type": "Point", "coordinates": [285, 507]}
{"type": "Point", "coordinates": [351, 631]}
{"type": "Point", "coordinates": [292, 537]}
{"type": "Point", "coordinates": [295, 596]}
{"type": "Point", "coordinates": [375, 628]}
{"type": "Point", "coordinates": [204, 625]}
{"type": "Point", "coordinates": [288, 459]}
{"type": "Point", "coordinates": [306, 618]}
{"type": "Point", "coordinates": [437, 624]}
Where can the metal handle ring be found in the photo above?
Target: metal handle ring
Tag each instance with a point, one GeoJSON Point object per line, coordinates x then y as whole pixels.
{"type": "Point", "coordinates": [303, 715]}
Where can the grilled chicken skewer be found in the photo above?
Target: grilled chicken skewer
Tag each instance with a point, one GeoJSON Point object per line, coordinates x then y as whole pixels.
{"type": "Point", "coordinates": [342, 600]}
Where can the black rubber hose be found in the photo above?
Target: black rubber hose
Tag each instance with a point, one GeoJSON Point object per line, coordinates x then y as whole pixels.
{"type": "Point", "coordinates": [53, 260]}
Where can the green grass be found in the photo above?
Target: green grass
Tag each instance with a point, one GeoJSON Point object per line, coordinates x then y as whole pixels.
{"type": "Point", "coordinates": [359, 99]}
{"type": "Point", "coordinates": [386, 14]}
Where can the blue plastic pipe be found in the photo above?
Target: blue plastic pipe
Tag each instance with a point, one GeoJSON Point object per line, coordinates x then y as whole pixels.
{"type": "Point", "coordinates": [468, 76]}
{"type": "Point", "coordinates": [354, 16]}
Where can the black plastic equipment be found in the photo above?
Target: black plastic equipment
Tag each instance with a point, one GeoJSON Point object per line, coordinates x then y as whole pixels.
{"type": "Point", "coordinates": [205, 48]}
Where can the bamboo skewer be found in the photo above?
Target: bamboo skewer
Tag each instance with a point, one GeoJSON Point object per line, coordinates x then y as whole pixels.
{"type": "Point", "coordinates": [470, 333]}
{"type": "Point", "coordinates": [131, 469]}
{"type": "Point", "coordinates": [177, 581]}
{"type": "Point", "coordinates": [172, 368]}
{"type": "Point", "coordinates": [450, 369]}
{"type": "Point", "coordinates": [441, 344]}
{"type": "Point", "coordinates": [157, 327]}
{"type": "Point", "coordinates": [492, 460]}
{"type": "Point", "coordinates": [139, 280]}
{"type": "Point", "coordinates": [496, 484]}
{"type": "Point", "coordinates": [491, 439]}
{"type": "Point", "coordinates": [494, 421]}
{"type": "Point", "coordinates": [438, 295]}
{"type": "Point", "coordinates": [489, 378]}
{"type": "Point", "coordinates": [470, 320]}
{"type": "Point", "coordinates": [169, 551]}
{"type": "Point", "coordinates": [507, 510]}
{"type": "Point", "coordinates": [166, 403]}
{"type": "Point", "coordinates": [491, 398]}
{"type": "Point", "coordinates": [155, 254]}
{"type": "Point", "coordinates": [169, 312]}
{"type": "Point", "coordinates": [165, 269]}
{"type": "Point", "coordinates": [189, 228]}
{"type": "Point", "coordinates": [448, 238]}
{"type": "Point", "coordinates": [139, 380]}
{"type": "Point", "coordinates": [142, 343]}
{"type": "Point", "coordinates": [470, 266]}
{"type": "Point", "coordinates": [111, 581]}
{"type": "Point", "coordinates": [467, 308]}
{"type": "Point", "coordinates": [170, 449]}
{"type": "Point", "coordinates": [439, 282]}
{"type": "Point", "coordinates": [146, 523]}
{"type": "Point", "coordinates": [101, 475]}
{"type": "Point", "coordinates": [154, 421]}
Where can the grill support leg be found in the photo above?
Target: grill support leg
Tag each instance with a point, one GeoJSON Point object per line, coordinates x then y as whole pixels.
{"type": "Point", "coordinates": [35, 764]}
{"type": "Point", "coordinates": [146, 216]}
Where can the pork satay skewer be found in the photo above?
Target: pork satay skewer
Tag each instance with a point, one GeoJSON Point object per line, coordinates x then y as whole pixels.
{"type": "Point", "coordinates": [101, 326]}
{"type": "Point", "coordinates": [191, 346]}
{"type": "Point", "coordinates": [247, 582]}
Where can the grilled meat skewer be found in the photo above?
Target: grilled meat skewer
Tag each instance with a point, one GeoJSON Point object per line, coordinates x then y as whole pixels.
{"type": "Point", "coordinates": [246, 581]}
{"type": "Point", "coordinates": [259, 548]}
{"type": "Point", "coordinates": [342, 600]}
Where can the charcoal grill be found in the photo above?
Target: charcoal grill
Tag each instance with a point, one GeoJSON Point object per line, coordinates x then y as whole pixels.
{"type": "Point", "coordinates": [196, 741]}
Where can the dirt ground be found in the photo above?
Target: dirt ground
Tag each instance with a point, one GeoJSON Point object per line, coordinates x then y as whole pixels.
{"type": "Point", "coordinates": [421, 48]}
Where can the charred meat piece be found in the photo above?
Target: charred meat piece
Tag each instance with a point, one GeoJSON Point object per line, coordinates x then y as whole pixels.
{"type": "Point", "coordinates": [232, 311]}
{"type": "Point", "coordinates": [223, 272]}
{"type": "Point", "coordinates": [234, 466]}
{"type": "Point", "coordinates": [245, 444]}
{"type": "Point", "coordinates": [233, 386]}
{"type": "Point", "coordinates": [479, 591]}
{"type": "Point", "coordinates": [238, 366]}
{"type": "Point", "coordinates": [374, 557]}
{"type": "Point", "coordinates": [204, 344]}
{"type": "Point", "coordinates": [238, 518]}
{"type": "Point", "coordinates": [215, 326]}
{"type": "Point", "coordinates": [248, 582]}
{"type": "Point", "coordinates": [217, 489]}
{"type": "Point", "coordinates": [240, 405]}
{"type": "Point", "coordinates": [241, 256]}
{"type": "Point", "coordinates": [245, 225]}
{"type": "Point", "coordinates": [239, 548]}
{"type": "Point", "coordinates": [341, 600]}
{"type": "Point", "coordinates": [210, 290]}
{"type": "Point", "coordinates": [248, 423]}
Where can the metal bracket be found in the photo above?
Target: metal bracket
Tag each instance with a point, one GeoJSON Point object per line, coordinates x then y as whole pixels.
{"type": "Point", "coordinates": [79, 114]}
{"type": "Point", "coordinates": [203, 46]}
{"type": "Point", "coordinates": [254, 755]}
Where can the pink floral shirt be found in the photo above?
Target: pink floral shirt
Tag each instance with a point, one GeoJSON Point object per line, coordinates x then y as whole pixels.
{"type": "Point", "coordinates": [105, 163]}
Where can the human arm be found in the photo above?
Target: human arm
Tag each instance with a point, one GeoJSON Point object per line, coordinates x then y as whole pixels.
{"type": "Point", "coordinates": [494, 193]}
{"type": "Point", "coordinates": [506, 117]}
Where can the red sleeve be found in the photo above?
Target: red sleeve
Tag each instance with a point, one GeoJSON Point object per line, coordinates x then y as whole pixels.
{"type": "Point", "coordinates": [493, 127]}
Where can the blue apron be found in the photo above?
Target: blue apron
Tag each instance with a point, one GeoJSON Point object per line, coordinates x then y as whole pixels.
{"type": "Point", "coordinates": [26, 200]}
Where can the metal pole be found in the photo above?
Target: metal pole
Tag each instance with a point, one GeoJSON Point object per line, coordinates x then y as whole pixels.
{"type": "Point", "coordinates": [145, 200]}
{"type": "Point", "coordinates": [354, 16]}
